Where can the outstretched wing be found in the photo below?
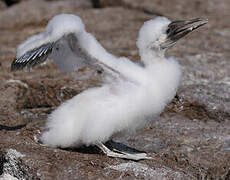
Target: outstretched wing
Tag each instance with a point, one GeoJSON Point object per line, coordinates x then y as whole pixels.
{"type": "Point", "coordinates": [66, 52]}
{"type": "Point", "coordinates": [71, 47]}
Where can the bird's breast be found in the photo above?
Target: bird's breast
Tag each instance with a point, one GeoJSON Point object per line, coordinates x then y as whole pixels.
{"type": "Point", "coordinates": [162, 81]}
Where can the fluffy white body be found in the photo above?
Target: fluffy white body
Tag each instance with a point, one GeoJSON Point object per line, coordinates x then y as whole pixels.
{"type": "Point", "coordinates": [134, 94]}
{"type": "Point", "coordinates": [97, 113]}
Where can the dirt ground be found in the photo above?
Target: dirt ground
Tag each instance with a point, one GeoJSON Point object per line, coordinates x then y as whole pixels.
{"type": "Point", "coordinates": [191, 138]}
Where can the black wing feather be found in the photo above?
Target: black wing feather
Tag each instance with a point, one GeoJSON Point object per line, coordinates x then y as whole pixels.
{"type": "Point", "coordinates": [32, 58]}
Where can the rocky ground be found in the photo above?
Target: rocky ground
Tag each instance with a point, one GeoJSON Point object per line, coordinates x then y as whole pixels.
{"type": "Point", "coordinates": [190, 140]}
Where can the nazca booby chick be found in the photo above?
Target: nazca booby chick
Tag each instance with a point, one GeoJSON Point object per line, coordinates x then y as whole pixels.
{"type": "Point", "coordinates": [131, 93]}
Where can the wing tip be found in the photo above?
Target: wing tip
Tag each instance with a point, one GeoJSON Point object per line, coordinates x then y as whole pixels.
{"type": "Point", "coordinates": [15, 66]}
{"type": "Point", "coordinates": [31, 58]}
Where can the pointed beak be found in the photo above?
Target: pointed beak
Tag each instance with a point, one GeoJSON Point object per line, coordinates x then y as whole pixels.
{"type": "Point", "coordinates": [178, 29]}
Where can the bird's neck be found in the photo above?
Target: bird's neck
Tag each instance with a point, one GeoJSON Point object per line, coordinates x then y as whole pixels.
{"type": "Point", "coordinates": [120, 67]}
{"type": "Point", "coordinates": [93, 47]}
{"type": "Point", "coordinates": [150, 57]}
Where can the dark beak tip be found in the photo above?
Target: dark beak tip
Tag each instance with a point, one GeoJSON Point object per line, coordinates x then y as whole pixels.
{"type": "Point", "coordinates": [178, 29]}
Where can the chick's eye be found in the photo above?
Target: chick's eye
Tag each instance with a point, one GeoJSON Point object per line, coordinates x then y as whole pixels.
{"type": "Point", "coordinates": [168, 31]}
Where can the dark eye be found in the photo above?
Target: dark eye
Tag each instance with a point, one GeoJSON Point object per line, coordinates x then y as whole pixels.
{"type": "Point", "coordinates": [171, 29]}
{"type": "Point", "coordinates": [168, 31]}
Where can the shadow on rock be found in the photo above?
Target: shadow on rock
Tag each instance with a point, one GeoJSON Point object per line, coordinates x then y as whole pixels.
{"type": "Point", "coordinates": [12, 128]}
{"type": "Point", "coordinates": [112, 145]}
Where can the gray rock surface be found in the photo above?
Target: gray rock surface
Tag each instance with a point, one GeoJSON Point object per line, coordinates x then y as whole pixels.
{"type": "Point", "coordinates": [2, 5]}
{"type": "Point", "coordinates": [190, 140]}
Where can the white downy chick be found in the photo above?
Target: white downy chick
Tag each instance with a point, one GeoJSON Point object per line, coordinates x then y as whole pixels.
{"type": "Point", "coordinates": [134, 93]}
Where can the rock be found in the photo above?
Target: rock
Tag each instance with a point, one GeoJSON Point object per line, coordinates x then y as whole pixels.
{"type": "Point", "coordinates": [1, 162]}
{"type": "Point", "coordinates": [143, 171]}
{"type": "Point", "coordinates": [7, 177]}
{"type": "Point", "coordinates": [13, 167]}
{"type": "Point", "coordinates": [37, 12]}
